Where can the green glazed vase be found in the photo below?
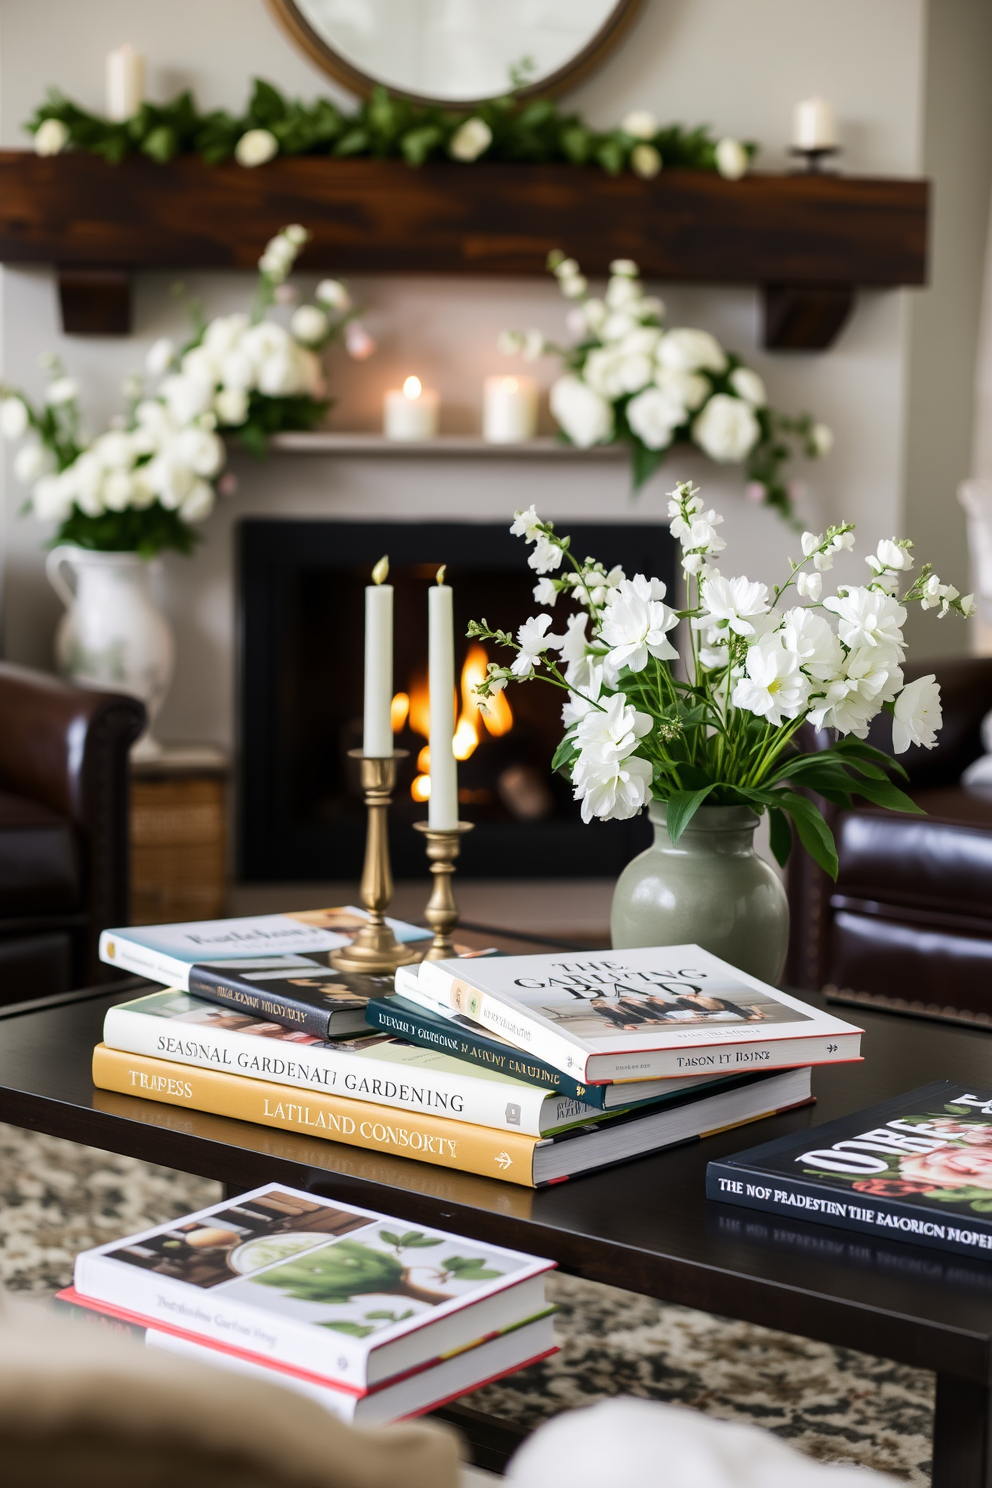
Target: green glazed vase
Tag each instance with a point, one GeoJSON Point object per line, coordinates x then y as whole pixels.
{"type": "Point", "coordinates": [710, 889]}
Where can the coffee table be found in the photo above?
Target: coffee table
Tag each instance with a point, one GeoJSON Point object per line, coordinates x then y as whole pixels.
{"type": "Point", "coordinates": [644, 1225]}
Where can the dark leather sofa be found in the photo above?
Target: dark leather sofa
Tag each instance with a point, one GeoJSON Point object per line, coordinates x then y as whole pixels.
{"type": "Point", "coordinates": [63, 829]}
{"type": "Point", "coordinates": [909, 920]}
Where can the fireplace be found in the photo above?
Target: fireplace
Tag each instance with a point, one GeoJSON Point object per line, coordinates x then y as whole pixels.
{"type": "Point", "coordinates": [300, 812]}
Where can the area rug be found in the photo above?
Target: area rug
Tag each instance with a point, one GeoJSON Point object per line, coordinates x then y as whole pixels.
{"type": "Point", "coordinates": [57, 1198]}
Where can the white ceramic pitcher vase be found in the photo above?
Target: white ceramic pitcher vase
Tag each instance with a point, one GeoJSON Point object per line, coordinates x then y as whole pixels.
{"type": "Point", "coordinates": [113, 636]}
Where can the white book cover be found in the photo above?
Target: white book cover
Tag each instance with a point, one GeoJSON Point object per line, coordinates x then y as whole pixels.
{"type": "Point", "coordinates": [635, 1014]}
{"type": "Point", "coordinates": [266, 944]}
{"type": "Point", "coordinates": [375, 1067]}
{"type": "Point", "coordinates": [326, 1286]}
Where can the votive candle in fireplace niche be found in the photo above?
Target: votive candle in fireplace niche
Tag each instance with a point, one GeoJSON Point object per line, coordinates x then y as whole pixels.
{"type": "Point", "coordinates": [509, 410]}
{"type": "Point", "coordinates": [442, 804]}
{"type": "Point", "coordinates": [813, 126]}
{"type": "Point", "coordinates": [410, 412]}
{"type": "Point", "coordinates": [125, 83]}
{"type": "Point", "coordinates": [377, 741]}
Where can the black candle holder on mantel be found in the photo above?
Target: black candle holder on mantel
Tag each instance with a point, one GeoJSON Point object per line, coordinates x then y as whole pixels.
{"type": "Point", "coordinates": [814, 158]}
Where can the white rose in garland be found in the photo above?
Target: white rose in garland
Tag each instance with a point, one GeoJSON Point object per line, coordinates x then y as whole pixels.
{"type": "Point", "coordinates": [628, 379]}
{"type": "Point", "coordinates": [720, 723]}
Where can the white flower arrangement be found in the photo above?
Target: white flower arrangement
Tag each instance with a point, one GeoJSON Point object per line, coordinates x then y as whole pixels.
{"type": "Point", "coordinates": [629, 379]}
{"type": "Point", "coordinates": [144, 484]}
{"type": "Point", "coordinates": [723, 726]}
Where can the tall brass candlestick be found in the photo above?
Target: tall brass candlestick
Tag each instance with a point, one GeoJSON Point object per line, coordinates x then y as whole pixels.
{"type": "Point", "coordinates": [375, 948]}
{"type": "Point", "coordinates": [443, 847]}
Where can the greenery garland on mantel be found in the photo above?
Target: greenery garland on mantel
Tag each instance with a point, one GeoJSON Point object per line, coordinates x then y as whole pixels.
{"type": "Point", "coordinates": [383, 127]}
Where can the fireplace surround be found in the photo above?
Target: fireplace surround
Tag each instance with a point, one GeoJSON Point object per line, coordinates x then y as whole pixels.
{"type": "Point", "coordinates": [300, 607]}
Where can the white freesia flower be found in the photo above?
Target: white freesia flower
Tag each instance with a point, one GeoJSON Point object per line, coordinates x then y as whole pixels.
{"type": "Point", "coordinates": [890, 556]}
{"type": "Point", "coordinates": [231, 406]}
{"type": "Point", "coordinates": [586, 677]}
{"type": "Point", "coordinates": [726, 429]}
{"type": "Point", "coordinates": [654, 416]}
{"type": "Point", "coordinates": [811, 639]}
{"type": "Point", "coordinates": [13, 418]}
{"type": "Point", "coordinates": [159, 356]}
{"type": "Point", "coordinates": [622, 292]}
{"type": "Point", "coordinates": [51, 499]}
{"type": "Point", "coordinates": [689, 388]}
{"type": "Point", "coordinates": [609, 781]}
{"type": "Point", "coordinates": [333, 294]}
{"type": "Point", "coordinates": [51, 137]}
{"type": "Point", "coordinates": [574, 286]}
{"type": "Point", "coordinates": [867, 618]}
{"type": "Point", "coordinates": [255, 147]}
{"type": "Point", "coordinates": [640, 124]}
{"type": "Point", "coordinates": [636, 624]}
{"type": "Point", "coordinates": [533, 640]}
{"type": "Point", "coordinates": [917, 715]}
{"type": "Point", "coordinates": [809, 586]}
{"type": "Point", "coordinates": [749, 386]}
{"type": "Point", "coordinates": [595, 313]}
{"type": "Point", "coordinates": [585, 416]}
{"type": "Point", "coordinates": [645, 161]}
{"type": "Point", "coordinates": [731, 158]}
{"type": "Point", "coordinates": [526, 524]}
{"type": "Point", "coordinates": [31, 462]}
{"type": "Point", "coordinates": [309, 324]}
{"type": "Point", "coordinates": [546, 557]}
{"type": "Point", "coordinates": [62, 390]}
{"type": "Point", "coordinates": [575, 646]}
{"type": "Point", "coordinates": [702, 534]}
{"type": "Point", "coordinates": [733, 604]}
{"type": "Point", "coordinates": [545, 592]}
{"type": "Point", "coordinates": [688, 350]}
{"type": "Point", "coordinates": [774, 687]}
{"type": "Point", "coordinates": [822, 439]}
{"type": "Point", "coordinates": [471, 140]}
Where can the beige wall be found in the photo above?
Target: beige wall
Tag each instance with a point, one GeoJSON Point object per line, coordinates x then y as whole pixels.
{"type": "Point", "coordinates": [738, 65]}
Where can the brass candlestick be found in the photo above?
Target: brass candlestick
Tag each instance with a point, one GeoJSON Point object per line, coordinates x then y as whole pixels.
{"type": "Point", "coordinates": [375, 948]}
{"type": "Point", "coordinates": [443, 847]}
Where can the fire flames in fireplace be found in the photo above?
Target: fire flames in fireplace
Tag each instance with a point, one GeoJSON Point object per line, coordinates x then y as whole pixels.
{"type": "Point", "coordinates": [413, 708]}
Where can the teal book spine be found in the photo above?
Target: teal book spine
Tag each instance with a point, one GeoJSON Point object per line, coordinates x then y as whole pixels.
{"type": "Point", "coordinates": [455, 1037]}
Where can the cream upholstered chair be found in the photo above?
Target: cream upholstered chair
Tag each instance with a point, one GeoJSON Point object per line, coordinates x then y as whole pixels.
{"type": "Point", "coordinates": [85, 1408]}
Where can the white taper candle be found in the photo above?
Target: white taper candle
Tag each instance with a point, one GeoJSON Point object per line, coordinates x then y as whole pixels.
{"type": "Point", "coordinates": [442, 806]}
{"type": "Point", "coordinates": [125, 83]}
{"type": "Point", "coordinates": [377, 742]}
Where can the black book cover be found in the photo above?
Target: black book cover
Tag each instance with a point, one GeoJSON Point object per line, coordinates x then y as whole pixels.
{"type": "Point", "coordinates": [915, 1168]}
{"type": "Point", "coordinates": [309, 996]}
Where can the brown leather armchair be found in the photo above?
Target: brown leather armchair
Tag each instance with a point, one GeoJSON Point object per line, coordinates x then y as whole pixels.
{"type": "Point", "coordinates": [63, 829]}
{"type": "Point", "coordinates": [909, 920]}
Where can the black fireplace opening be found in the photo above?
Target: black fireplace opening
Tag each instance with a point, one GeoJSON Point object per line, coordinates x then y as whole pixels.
{"type": "Point", "coordinates": [301, 639]}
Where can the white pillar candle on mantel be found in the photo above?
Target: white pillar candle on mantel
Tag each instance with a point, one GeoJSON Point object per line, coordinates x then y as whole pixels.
{"type": "Point", "coordinates": [377, 741]}
{"type": "Point", "coordinates": [813, 126]}
{"type": "Point", "coordinates": [509, 410]}
{"type": "Point", "coordinates": [442, 804]}
{"type": "Point", "coordinates": [410, 412]}
{"type": "Point", "coordinates": [125, 83]}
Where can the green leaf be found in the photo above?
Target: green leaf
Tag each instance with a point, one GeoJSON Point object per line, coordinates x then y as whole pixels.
{"type": "Point", "coordinates": [681, 807]}
{"type": "Point", "coordinates": [779, 835]}
{"type": "Point", "coordinates": [418, 1241]}
{"type": "Point", "coordinates": [884, 793]}
{"type": "Point", "coordinates": [469, 1268]}
{"type": "Point", "coordinates": [564, 755]}
{"type": "Point", "coordinates": [814, 834]}
{"type": "Point", "coordinates": [353, 1330]}
{"type": "Point", "coordinates": [417, 144]}
{"type": "Point", "coordinates": [643, 463]}
{"type": "Point", "coordinates": [390, 1238]}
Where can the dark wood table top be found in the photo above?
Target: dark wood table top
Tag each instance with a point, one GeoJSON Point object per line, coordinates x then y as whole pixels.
{"type": "Point", "coordinates": [644, 1225]}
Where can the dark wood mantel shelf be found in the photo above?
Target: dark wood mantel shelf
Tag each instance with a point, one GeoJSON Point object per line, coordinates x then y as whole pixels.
{"type": "Point", "coordinates": [809, 241]}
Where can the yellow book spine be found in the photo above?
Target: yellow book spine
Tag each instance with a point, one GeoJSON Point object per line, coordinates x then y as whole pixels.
{"type": "Point", "coordinates": [315, 1113]}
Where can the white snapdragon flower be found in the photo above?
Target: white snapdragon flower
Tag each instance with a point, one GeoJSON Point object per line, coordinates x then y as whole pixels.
{"type": "Point", "coordinates": [309, 324]}
{"type": "Point", "coordinates": [118, 488]}
{"type": "Point", "coordinates": [654, 415]}
{"type": "Point", "coordinates": [610, 783]}
{"type": "Point", "coordinates": [618, 325]}
{"type": "Point", "coordinates": [749, 386]}
{"type": "Point", "coordinates": [333, 294]}
{"type": "Point", "coordinates": [13, 418]}
{"type": "Point", "coordinates": [622, 291]}
{"type": "Point", "coordinates": [731, 158]}
{"type": "Point", "coordinates": [526, 524]}
{"type": "Point", "coordinates": [808, 635]}
{"type": "Point", "coordinates": [533, 640]}
{"type": "Point", "coordinates": [636, 624]}
{"type": "Point", "coordinates": [687, 350]}
{"type": "Point", "coordinates": [159, 357]}
{"type": "Point", "coordinates": [732, 604]}
{"type": "Point", "coordinates": [842, 541]}
{"type": "Point", "coordinates": [31, 462]}
{"type": "Point", "coordinates": [583, 414]}
{"type": "Point", "coordinates": [51, 137]}
{"type": "Point", "coordinates": [809, 586]}
{"type": "Point", "coordinates": [545, 592]}
{"type": "Point", "coordinates": [774, 686]}
{"type": "Point", "coordinates": [693, 504]}
{"type": "Point", "coordinates": [810, 541]}
{"type": "Point", "coordinates": [198, 502]}
{"type": "Point", "coordinates": [595, 314]}
{"type": "Point", "coordinates": [575, 646]}
{"type": "Point", "coordinates": [586, 677]}
{"type": "Point", "coordinates": [51, 499]}
{"type": "Point", "coordinates": [703, 534]}
{"type": "Point", "coordinates": [546, 557]}
{"type": "Point", "coordinates": [726, 429]}
{"type": "Point", "coordinates": [640, 124]}
{"type": "Point", "coordinates": [201, 449]}
{"type": "Point", "coordinates": [256, 147]}
{"type": "Point", "coordinates": [470, 140]}
{"type": "Point", "coordinates": [867, 618]}
{"type": "Point", "coordinates": [890, 557]}
{"type": "Point", "coordinates": [62, 390]}
{"type": "Point", "coordinates": [187, 397]}
{"type": "Point", "coordinates": [917, 714]}
{"type": "Point", "coordinates": [223, 335]}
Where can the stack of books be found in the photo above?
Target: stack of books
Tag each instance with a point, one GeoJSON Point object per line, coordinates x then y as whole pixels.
{"type": "Point", "coordinates": [531, 1069]}
{"type": "Point", "coordinates": [374, 1320]}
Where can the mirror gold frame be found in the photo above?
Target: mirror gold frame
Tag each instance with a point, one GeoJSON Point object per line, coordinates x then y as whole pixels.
{"type": "Point", "coordinates": [585, 61]}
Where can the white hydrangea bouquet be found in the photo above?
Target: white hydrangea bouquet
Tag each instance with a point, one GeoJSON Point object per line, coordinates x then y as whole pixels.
{"type": "Point", "coordinates": [145, 484]}
{"type": "Point", "coordinates": [720, 723]}
{"type": "Point", "coordinates": [629, 379]}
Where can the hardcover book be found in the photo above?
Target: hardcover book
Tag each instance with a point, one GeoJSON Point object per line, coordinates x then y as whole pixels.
{"type": "Point", "coordinates": [480, 1364]}
{"type": "Point", "coordinates": [275, 966]}
{"type": "Point", "coordinates": [648, 1013]}
{"type": "Point", "coordinates": [915, 1168]}
{"type": "Point", "coordinates": [510, 1155]}
{"type": "Point", "coordinates": [377, 1067]}
{"type": "Point", "coordinates": [344, 1293]}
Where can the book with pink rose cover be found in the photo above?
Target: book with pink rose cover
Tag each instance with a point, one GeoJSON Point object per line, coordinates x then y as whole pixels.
{"type": "Point", "coordinates": [916, 1168]}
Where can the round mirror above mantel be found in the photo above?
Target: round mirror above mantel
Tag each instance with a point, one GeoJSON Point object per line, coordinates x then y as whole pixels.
{"type": "Point", "coordinates": [456, 52]}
